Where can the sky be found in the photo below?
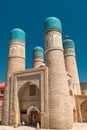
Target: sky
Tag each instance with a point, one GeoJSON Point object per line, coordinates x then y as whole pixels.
{"type": "Point", "coordinates": [29, 15]}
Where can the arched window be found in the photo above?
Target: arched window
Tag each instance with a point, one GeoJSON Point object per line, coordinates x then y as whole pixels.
{"type": "Point", "coordinates": [69, 83]}
{"type": "Point", "coordinates": [32, 90]}
{"type": "Point", "coordinates": [70, 87]}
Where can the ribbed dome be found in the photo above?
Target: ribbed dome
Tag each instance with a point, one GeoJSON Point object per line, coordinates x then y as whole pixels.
{"type": "Point", "coordinates": [68, 42]}
{"type": "Point", "coordinates": [38, 53]}
{"type": "Point", "coordinates": [52, 23]}
{"type": "Point", "coordinates": [17, 34]}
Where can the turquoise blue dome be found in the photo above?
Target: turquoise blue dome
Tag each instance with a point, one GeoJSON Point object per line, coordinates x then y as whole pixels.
{"type": "Point", "coordinates": [68, 42]}
{"type": "Point", "coordinates": [38, 53]}
{"type": "Point", "coordinates": [52, 23]}
{"type": "Point", "coordinates": [17, 34]}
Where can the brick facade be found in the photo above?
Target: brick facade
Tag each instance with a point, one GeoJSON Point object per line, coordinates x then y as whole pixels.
{"type": "Point", "coordinates": [44, 94]}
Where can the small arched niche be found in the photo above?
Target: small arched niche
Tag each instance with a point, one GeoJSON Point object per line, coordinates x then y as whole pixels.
{"type": "Point", "coordinates": [84, 111]}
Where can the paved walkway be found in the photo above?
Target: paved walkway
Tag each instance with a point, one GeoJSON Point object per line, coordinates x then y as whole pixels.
{"type": "Point", "coordinates": [18, 128]}
{"type": "Point", "coordinates": [77, 126]}
{"type": "Point", "coordinates": [80, 126]}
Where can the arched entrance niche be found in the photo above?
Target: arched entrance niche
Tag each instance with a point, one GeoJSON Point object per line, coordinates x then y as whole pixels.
{"type": "Point", "coordinates": [84, 111]}
{"type": "Point", "coordinates": [30, 103]}
{"type": "Point", "coordinates": [34, 115]}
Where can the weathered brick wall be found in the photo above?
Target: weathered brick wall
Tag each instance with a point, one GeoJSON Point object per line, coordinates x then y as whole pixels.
{"type": "Point", "coordinates": [71, 67]}
{"type": "Point", "coordinates": [19, 94]}
{"type": "Point", "coordinates": [60, 108]}
{"type": "Point", "coordinates": [16, 62]}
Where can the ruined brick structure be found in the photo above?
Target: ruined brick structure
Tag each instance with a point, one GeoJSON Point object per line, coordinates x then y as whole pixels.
{"type": "Point", "coordinates": [46, 94]}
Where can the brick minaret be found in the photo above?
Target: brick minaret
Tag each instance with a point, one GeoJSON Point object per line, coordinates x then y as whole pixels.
{"type": "Point", "coordinates": [60, 110]}
{"type": "Point", "coordinates": [16, 62]}
{"type": "Point", "coordinates": [70, 62]}
{"type": "Point", "coordinates": [38, 56]}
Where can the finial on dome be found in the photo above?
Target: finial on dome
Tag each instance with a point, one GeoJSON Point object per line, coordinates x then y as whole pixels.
{"type": "Point", "coordinates": [67, 37]}
{"type": "Point", "coordinates": [67, 42]}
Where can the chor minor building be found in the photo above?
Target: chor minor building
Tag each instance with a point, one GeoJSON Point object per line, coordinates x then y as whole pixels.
{"type": "Point", "coordinates": [48, 94]}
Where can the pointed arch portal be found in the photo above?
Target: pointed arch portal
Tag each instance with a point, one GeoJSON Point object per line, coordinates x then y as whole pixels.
{"type": "Point", "coordinates": [84, 111]}
{"type": "Point", "coordinates": [30, 100]}
{"type": "Point", "coordinates": [34, 115]}
{"type": "Point", "coordinates": [32, 108]}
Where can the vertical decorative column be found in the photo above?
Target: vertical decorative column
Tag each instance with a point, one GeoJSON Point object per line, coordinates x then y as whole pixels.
{"type": "Point", "coordinates": [16, 62]}
{"type": "Point", "coordinates": [38, 56]}
{"type": "Point", "coordinates": [70, 62]}
{"type": "Point", "coordinates": [16, 104]}
{"type": "Point", "coordinates": [60, 109]}
{"type": "Point", "coordinates": [42, 113]}
{"type": "Point", "coordinates": [42, 116]}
